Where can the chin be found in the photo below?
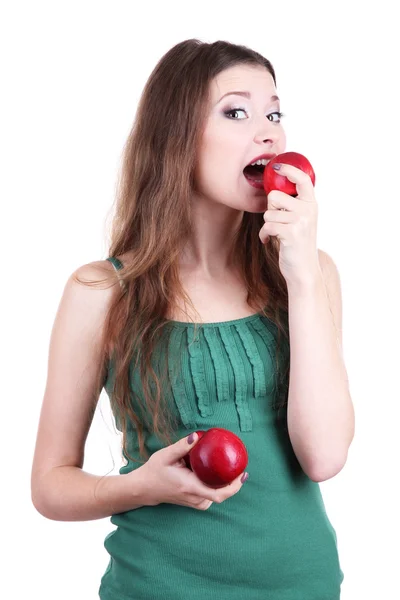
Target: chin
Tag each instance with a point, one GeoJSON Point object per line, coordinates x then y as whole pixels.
{"type": "Point", "coordinates": [257, 203]}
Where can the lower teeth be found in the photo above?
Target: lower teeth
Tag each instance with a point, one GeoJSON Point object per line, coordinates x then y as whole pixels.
{"type": "Point", "coordinates": [255, 180]}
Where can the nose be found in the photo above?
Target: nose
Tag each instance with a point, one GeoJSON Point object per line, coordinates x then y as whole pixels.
{"type": "Point", "coordinates": [266, 132]}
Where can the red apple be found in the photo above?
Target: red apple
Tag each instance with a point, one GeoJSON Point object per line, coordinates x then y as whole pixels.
{"type": "Point", "coordinates": [186, 458]}
{"type": "Point", "coordinates": [274, 181]}
{"type": "Point", "coordinates": [218, 457]}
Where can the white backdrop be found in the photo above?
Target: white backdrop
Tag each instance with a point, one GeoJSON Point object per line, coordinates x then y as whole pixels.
{"type": "Point", "coordinates": [72, 73]}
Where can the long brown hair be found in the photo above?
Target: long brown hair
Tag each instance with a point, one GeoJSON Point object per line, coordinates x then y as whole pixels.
{"type": "Point", "coordinates": [152, 222]}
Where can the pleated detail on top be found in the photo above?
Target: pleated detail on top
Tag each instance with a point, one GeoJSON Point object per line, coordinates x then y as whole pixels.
{"type": "Point", "coordinates": [267, 337]}
{"type": "Point", "coordinates": [217, 362]}
{"type": "Point", "coordinates": [260, 387]}
{"type": "Point", "coordinates": [175, 349]}
{"type": "Point", "coordinates": [199, 378]}
{"type": "Point", "coordinates": [241, 397]}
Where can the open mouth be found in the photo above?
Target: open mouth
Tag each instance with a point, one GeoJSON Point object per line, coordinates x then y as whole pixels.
{"type": "Point", "coordinates": [254, 173]}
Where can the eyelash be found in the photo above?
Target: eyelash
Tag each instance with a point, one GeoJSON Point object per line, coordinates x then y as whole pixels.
{"type": "Point", "coordinates": [280, 114]}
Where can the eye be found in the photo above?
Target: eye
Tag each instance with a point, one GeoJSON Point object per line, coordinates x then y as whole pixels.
{"type": "Point", "coordinates": [234, 110]}
{"type": "Point", "coordinates": [228, 113]}
{"type": "Point", "coordinates": [280, 115]}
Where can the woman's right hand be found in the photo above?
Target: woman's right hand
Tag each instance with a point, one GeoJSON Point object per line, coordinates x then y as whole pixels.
{"type": "Point", "coordinates": [167, 479]}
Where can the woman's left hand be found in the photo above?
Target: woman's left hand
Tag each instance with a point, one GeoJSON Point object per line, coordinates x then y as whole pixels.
{"type": "Point", "coordinates": [294, 222]}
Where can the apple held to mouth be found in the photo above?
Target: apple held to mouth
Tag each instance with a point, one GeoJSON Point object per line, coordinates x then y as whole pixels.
{"type": "Point", "coordinates": [274, 181]}
{"type": "Point", "coordinates": [218, 457]}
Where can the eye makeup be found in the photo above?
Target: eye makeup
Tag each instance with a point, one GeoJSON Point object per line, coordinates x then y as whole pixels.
{"type": "Point", "coordinates": [228, 112]}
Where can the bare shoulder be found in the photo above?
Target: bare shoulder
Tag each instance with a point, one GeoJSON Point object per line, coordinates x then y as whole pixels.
{"type": "Point", "coordinates": [94, 271]}
{"type": "Point", "coordinates": [105, 269]}
{"type": "Point", "coordinates": [100, 276]}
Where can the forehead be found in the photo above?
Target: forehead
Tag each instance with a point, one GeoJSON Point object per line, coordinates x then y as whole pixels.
{"type": "Point", "coordinates": [253, 78]}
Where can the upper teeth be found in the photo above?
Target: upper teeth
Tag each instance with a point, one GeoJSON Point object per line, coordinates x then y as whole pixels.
{"type": "Point", "coordinates": [262, 161]}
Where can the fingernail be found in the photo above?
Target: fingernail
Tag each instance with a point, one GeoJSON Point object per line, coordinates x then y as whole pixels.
{"type": "Point", "coordinates": [244, 478]}
{"type": "Point", "coordinates": [276, 166]}
{"type": "Point", "coordinates": [191, 438]}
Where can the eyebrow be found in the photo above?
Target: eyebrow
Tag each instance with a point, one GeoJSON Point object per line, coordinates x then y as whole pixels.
{"type": "Point", "coordinates": [245, 95]}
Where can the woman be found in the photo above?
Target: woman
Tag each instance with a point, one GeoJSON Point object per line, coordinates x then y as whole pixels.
{"type": "Point", "coordinates": [258, 352]}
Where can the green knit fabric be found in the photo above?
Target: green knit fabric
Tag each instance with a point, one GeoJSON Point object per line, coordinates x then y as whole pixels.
{"type": "Point", "coordinates": [273, 539]}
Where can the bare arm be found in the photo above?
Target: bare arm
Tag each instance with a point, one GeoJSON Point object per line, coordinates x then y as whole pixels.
{"type": "Point", "coordinates": [69, 494]}
{"type": "Point", "coordinates": [60, 489]}
{"type": "Point", "coordinates": [320, 409]}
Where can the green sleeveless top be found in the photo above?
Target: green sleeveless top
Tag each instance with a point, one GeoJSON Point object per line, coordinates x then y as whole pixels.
{"type": "Point", "coordinates": [273, 539]}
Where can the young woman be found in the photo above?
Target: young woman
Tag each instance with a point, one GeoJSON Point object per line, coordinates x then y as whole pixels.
{"type": "Point", "coordinates": [215, 308]}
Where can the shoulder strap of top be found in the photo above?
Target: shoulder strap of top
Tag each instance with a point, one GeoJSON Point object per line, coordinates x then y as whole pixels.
{"type": "Point", "coordinates": [117, 264]}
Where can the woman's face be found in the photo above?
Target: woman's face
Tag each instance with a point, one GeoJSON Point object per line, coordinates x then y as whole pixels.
{"type": "Point", "coordinates": [238, 129]}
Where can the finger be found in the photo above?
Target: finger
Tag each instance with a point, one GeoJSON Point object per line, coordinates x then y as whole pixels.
{"type": "Point", "coordinates": [208, 493]}
{"type": "Point", "coordinates": [279, 216]}
{"type": "Point", "coordinates": [205, 505]}
{"type": "Point", "coordinates": [279, 200]}
{"type": "Point", "coordinates": [221, 494]}
{"type": "Point", "coordinates": [277, 230]}
{"type": "Point", "coordinates": [238, 481]}
{"type": "Point", "coordinates": [303, 182]}
{"type": "Point", "coordinates": [197, 502]}
{"type": "Point", "coordinates": [201, 490]}
{"type": "Point", "coordinates": [178, 450]}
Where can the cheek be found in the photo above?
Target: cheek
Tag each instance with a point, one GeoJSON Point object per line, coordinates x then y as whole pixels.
{"type": "Point", "coordinates": [216, 173]}
{"type": "Point", "coordinates": [210, 163]}
{"type": "Point", "coordinates": [208, 173]}
{"type": "Point", "coordinates": [218, 158]}
{"type": "Point", "coordinates": [282, 142]}
{"type": "Point", "coordinates": [214, 146]}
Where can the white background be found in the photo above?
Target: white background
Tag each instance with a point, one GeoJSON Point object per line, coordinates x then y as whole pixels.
{"type": "Point", "coordinates": [72, 73]}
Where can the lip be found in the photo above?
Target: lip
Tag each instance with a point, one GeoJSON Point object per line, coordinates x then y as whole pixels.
{"type": "Point", "coordinates": [258, 184]}
{"type": "Point", "coordinates": [267, 156]}
{"type": "Point", "coordinates": [255, 184]}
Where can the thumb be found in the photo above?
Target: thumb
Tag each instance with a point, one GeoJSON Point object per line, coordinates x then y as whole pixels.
{"type": "Point", "coordinates": [182, 447]}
